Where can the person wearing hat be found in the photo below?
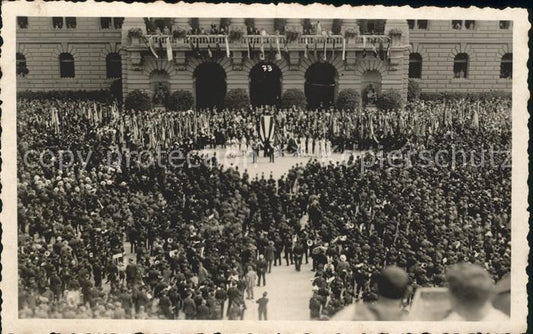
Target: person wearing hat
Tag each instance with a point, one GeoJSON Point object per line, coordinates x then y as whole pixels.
{"type": "Point", "coordinates": [261, 269]}
{"type": "Point", "coordinates": [391, 287]}
{"type": "Point", "coordinates": [262, 306]}
{"type": "Point", "coordinates": [270, 252]}
{"type": "Point", "coordinates": [298, 252]}
{"type": "Point", "coordinates": [315, 304]}
{"type": "Point", "coordinates": [251, 276]}
{"type": "Point", "coordinates": [221, 295]}
{"type": "Point", "coordinates": [470, 289]}
{"type": "Point", "coordinates": [131, 273]}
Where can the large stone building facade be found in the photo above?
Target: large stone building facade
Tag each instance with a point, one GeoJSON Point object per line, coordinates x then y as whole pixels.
{"type": "Point", "coordinates": [318, 56]}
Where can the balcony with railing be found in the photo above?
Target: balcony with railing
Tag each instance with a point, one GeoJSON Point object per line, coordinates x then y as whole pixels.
{"type": "Point", "coordinates": [203, 41]}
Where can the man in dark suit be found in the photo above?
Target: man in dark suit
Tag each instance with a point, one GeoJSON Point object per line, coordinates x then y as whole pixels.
{"type": "Point", "coordinates": [261, 269]}
{"type": "Point", "coordinates": [262, 307]}
{"type": "Point", "coordinates": [270, 251]}
{"type": "Point", "coordinates": [298, 255]}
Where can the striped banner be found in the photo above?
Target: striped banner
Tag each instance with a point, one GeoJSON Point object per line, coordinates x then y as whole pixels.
{"type": "Point", "coordinates": [266, 128]}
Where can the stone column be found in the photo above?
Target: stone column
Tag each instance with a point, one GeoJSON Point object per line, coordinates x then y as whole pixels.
{"type": "Point", "coordinates": [400, 25]}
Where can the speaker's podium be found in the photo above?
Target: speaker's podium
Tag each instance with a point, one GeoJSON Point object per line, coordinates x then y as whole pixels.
{"type": "Point", "coordinates": [430, 304]}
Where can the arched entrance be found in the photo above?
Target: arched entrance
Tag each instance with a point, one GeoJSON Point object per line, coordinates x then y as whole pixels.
{"type": "Point", "coordinates": [209, 85]}
{"type": "Point", "coordinates": [159, 83]}
{"type": "Point", "coordinates": [320, 85]}
{"type": "Point", "coordinates": [265, 84]}
{"type": "Point", "coordinates": [370, 86]}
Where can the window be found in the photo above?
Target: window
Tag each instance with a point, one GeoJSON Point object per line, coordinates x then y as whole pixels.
{"type": "Point", "coordinates": [57, 22]}
{"type": "Point", "coordinates": [105, 22]}
{"type": "Point", "coordinates": [22, 69]}
{"type": "Point", "coordinates": [371, 27]}
{"type": "Point", "coordinates": [113, 65]}
{"type": "Point", "coordinates": [506, 66]}
{"type": "Point", "coordinates": [22, 22]}
{"type": "Point", "coordinates": [70, 22]}
{"type": "Point", "coordinates": [470, 25]}
{"type": "Point", "coordinates": [415, 65]}
{"type": "Point", "coordinates": [418, 24]}
{"type": "Point", "coordinates": [66, 65]}
{"type": "Point", "coordinates": [457, 24]}
{"type": "Point", "coordinates": [460, 24]}
{"type": "Point", "coordinates": [505, 25]}
{"type": "Point", "coordinates": [460, 66]}
{"type": "Point", "coordinates": [117, 22]}
{"type": "Point", "coordinates": [422, 24]}
{"type": "Point", "coordinates": [111, 22]}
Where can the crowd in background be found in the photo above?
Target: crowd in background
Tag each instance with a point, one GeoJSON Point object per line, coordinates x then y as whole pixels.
{"type": "Point", "coordinates": [200, 237]}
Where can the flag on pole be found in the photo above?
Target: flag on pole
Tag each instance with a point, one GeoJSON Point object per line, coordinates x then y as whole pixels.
{"type": "Point", "coordinates": [170, 54]}
{"type": "Point", "coordinates": [475, 117]}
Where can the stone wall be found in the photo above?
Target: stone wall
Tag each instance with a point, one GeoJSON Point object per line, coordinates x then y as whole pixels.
{"type": "Point", "coordinates": [41, 45]}
{"type": "Point", "coordinates": [485, 46]}
{"type": "Point", "coordinates": [90, 44]}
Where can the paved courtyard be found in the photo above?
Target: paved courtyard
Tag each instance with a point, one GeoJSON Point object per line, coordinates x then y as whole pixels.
{"type": "Point", "coordinates": [280, 166]}
{"type": "Point", "coordinates": [289, 292]}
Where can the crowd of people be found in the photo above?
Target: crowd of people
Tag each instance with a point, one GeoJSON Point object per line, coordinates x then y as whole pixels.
{"type": "Point", "coordinates": [109, 240]}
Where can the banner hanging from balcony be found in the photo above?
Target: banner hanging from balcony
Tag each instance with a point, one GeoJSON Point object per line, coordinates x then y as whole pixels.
{"type": "Point", "coordinates": [150, 40]}
{"type": "Point", "coordinates": [227, 47]}
{"type": "Point", "coordinates": [306, 50]}
{"type": "Point", "coordinates": [343, 49]}
{"type": "Point", "coordinates": [170, 55]}
{"type": "Point", "coordinates": [278, 55]}
{"type": "Point", "coordinates": [325, 55]}
{"type": "Point", "coordinates": [262, 55]}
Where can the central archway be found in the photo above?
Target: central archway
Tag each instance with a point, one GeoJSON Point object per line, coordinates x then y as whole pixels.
{"type": "Point", "coordinates": [320, 85]}
{"type": "Point", "coordinates": [210, 85]}
{"type": "Point", "coordinates": [265, 84]}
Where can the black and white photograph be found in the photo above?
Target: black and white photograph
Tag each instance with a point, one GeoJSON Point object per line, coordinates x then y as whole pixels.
{"type": "Point", "coordinates": [295, 166]}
